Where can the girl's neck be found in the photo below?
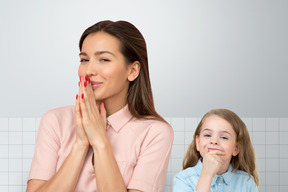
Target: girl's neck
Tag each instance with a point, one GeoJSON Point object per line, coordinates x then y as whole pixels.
{"type": "Point", "coordinates": [223, 169]}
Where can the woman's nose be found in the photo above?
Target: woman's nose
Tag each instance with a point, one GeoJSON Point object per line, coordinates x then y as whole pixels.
{"type": "Point", "coordinates": [91, 69]}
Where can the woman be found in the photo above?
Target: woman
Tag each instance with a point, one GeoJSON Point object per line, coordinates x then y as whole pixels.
{"type": "Point", "coordinates": [113, 139]}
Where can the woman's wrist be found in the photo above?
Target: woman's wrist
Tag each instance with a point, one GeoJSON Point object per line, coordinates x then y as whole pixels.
{"type": "Point", "coordinates": [79, 145]}
{"type": "Point", "coordinates": [101, 145]}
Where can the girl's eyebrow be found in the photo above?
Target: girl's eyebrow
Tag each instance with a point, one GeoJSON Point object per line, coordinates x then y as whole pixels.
{"type": "Point", "coordinates": [226, 132]}
{"type": "Point", "coordinates": [207, 129]}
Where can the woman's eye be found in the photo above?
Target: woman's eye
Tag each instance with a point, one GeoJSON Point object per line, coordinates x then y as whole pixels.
{"type": "Point", "coordinates": [84, 60]}
{"type": "Point", "coordinates": [104, 60]}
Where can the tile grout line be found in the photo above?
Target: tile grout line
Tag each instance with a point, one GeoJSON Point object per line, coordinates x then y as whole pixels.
{"type": "Point", "coordinates": [22, 151]}
{"type": "Point", "coordinates": [8, 152]}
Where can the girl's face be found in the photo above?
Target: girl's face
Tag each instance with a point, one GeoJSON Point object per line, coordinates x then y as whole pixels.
{"type": "Point", "coordinates": [102, 61]}
{"type": "Point", "coordinates": [217, 134]}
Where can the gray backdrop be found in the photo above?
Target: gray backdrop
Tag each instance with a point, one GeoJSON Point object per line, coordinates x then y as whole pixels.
{"type": "Point", "coordinates": [202, 54]}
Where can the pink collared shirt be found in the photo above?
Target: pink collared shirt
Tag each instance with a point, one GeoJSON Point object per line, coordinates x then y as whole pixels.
{"type": "Point", "coordinates": [141, 148]}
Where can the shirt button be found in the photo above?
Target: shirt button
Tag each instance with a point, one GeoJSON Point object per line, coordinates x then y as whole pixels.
{"type": "Point", "coordinates": [219, 184]}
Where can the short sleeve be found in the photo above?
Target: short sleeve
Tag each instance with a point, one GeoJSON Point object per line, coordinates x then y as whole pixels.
{"type": "Point", "coordinates": [47, 145]}
{"type": "Point", "coordinates": [180, 185]}
{"type": "Point", "coordinates": [151, 168]}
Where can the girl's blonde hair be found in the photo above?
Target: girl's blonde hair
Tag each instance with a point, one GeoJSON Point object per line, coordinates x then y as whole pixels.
{"type": "Point", "coordinates": [244, 161]}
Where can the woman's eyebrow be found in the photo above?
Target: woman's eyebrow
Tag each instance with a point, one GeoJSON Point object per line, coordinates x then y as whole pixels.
{"type": "Point", "coordinates": [103, 52]}
{"type": "Point", "coordinates": [83, 53]}
{"type": "Point", "coordinates": [97, 53]}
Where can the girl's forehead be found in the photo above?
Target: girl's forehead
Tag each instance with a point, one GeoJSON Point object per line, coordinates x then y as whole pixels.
{"type": "Point", "coordinates": [216, 123]}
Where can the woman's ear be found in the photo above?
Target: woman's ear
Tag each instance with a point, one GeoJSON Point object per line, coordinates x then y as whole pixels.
{"type": "Point", "coordinates": [134, 70]}
{"type": "Point", "coordinates": [236, 150]}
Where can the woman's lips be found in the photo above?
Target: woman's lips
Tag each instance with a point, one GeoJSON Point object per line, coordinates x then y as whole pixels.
{"type": "Point", "coordinates": [95, 84]}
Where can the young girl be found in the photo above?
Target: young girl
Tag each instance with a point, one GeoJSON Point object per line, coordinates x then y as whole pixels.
{"type": "Point", "coordinates": [220, 158]}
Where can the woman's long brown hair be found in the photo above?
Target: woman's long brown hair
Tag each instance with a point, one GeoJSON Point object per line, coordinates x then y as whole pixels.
{"type": "Point", "coordinates": [245, 160]}
{"type": "Point", "coordinates": [133, 47]}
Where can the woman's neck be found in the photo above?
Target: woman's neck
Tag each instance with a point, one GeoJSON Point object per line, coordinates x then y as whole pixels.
{"type": "Point", "coordinates": [113, 107]}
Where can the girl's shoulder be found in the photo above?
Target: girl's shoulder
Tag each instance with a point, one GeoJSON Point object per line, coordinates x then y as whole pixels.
{"type": "Point", "coordinates": [244, 176]}
{"type": "Point", "coordinates": [187, 173]}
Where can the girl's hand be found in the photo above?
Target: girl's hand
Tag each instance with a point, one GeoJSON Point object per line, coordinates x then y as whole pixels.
{"type": "Point", "coordinates": [93, 115]}
{"type": "Point", "coordinates": [212, 162]}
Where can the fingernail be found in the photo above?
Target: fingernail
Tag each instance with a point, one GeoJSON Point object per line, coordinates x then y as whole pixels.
{"type": "Point", "coordinates": [85, 83]}
{"type": "Point", "coordinates": [104, 103]}
{"type": "Point", "coordinates": [87, 78]}
{"type": "Point", "coordinates": [80, 78]}
{"type": "Point", "coordinates": [82, 96]}
{"type": "Point", "coordinates": [76, 96]}
{"type": "Point", "coordinates": [79, 83]}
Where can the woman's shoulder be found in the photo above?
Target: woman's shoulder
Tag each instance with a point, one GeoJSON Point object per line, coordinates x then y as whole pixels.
{"type": "Point", "coordinates": [153, 125]}
{"type": "Point", "coordinates": [59, 115]}
{"type": "Point", "coordinates": [60, 111]}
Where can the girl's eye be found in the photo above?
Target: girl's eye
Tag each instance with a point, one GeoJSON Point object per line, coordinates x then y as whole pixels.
{"type": "Point", "coordinates": [223, 137]}
{"type": "Point", "coordinates": [207, 135]}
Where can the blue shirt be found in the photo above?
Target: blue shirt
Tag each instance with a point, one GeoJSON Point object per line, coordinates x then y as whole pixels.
{"type": "Point", "coordinates": [237, 181]}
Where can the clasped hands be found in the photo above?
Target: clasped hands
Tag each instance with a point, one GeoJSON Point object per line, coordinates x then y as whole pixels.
{"type": "Point", "coordinates": [90, 116]}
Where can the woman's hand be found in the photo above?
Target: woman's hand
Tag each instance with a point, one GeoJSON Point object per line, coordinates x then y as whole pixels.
{"type": "Point", "coordinates": [90, 116]}
{"type": "Point", "coordinates": [212, 162]}
{"type": "Point", "coordinates": [81, 136]}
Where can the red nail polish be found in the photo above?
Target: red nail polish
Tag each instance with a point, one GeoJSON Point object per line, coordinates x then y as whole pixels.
{"type": "Point", "coordinates": [87, 78]}
{"type": "Point", "coordinates": [76, 96]}
{"type": "Point", "coordinates": [82, 96]}
{"type": "Point", "coordinates": [79, 83]}
{"type": "Point", "coordinates": [85, 83]}
{"type": "Point", "coordinates": [104, 103]}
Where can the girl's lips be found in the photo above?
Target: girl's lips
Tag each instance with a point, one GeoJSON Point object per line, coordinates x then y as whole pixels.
{"type": "Point", "coordinates": [95, 84]}
{"type": "Point", "coordinates": [212, 149]}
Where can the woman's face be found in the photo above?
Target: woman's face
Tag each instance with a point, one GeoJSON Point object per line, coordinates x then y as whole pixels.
{"type": "Point", "coordinates": [102, 61]}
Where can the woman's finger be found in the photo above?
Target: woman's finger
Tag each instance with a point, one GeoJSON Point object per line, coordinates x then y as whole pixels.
{"type": "Point", "coordinates": [90, 99]}
{"type": "Point", "coordinates": [103, 112]}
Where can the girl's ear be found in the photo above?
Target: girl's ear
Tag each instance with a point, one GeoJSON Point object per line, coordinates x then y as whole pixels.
{"type": "Point", "coordinates": [197, 142]}
{"type": "Point", "coordinates": [236, 150]}
{"type": "Point", "coordinates": [134, 70]}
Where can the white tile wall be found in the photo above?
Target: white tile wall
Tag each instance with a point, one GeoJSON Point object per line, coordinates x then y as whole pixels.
{"type": "Point", "coordinates": [268, 135]}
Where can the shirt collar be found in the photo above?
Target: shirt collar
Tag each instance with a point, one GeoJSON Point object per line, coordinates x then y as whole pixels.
{"type": "Point", "coordinates": [227, 177]}
{"type": "Point", "coordinates": [120, 118]}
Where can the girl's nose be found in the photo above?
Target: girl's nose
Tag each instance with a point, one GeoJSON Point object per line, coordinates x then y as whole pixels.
{"type": "Point", "coordinates": [213, 141]}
